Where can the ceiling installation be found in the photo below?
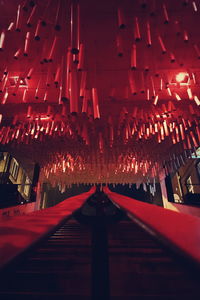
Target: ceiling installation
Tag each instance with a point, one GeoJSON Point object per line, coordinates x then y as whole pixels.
{"type": "Point", "coordinates": [100, 91]}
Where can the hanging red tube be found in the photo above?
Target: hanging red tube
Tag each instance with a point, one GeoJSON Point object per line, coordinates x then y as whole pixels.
{"type": "Point", "coordinates": [5, 97]}
{"type": "Point", "coordinates": [60, 96]}
{"type": "Point", "coordinates": [37, 31]}
{"type": "Point", "coordinates": [193, 139]}
{"type": "Point", "coordinates": [27, 43]}
{"type": "Point", "coordinates": [153, 88]}
{"type": "Point", "coordinates": [132, 84]}
{"type": "Point", "coordinates": [121, 21]}
{"type": "Point", "coordinates": [101, 143]}
{"type": "Point", "coordinates": [11, 26]}
{"type": "Point", "coordinates": [4, 82]}
{"type": "Point", "coordinates": [86, 98]}
{"type": "Point", "coordinates": [177, 97]}
{"type": "Point", "coordinates": [137, 34]}
{"type": "Point", "coordinates": [57, 76]}
{"type": "Point", "coordinates": [119, 45]}
{"type": "Point", "coordinates": [83, 83]}
{"type": "Point", "coordinates": [81, 58]}
{"type": "Point", "coordinates": [95, 103]}
{"type": "Point", "coordinates": [185, 36]}
{"type": "Point", "coordinates": [166, 128]}
{"type": "Point", "coordinates": [196, 48]}
{"type": "Point", "coordinates": [172, 57]}
{"type": "Point", "coordinates": [165, 13]}
{"type": "Point", "coordinates": [73, 92]}
{"type": "Point", "coordinates": [17, 54]}
{"type": "Point", "coordinates": [182, 132]}
{"type": "Point", "coordinates": [37, 89]}
{"type": "Point", "coordinates": [134, 57]}
{"type": "Point", "coordinates": [2, 40]}
{"type": "Point", "coordinates": [29, 22]}
{"type": "Point", "coordinates": [142, 83]}
{"type": "Point", "coordinates": [149, 43]}
{"type": "Point", "coordinates": [18, 19]}
{"type": "Point", "coordinates": [155, 100]}
{"type": "Point", "coordinates": [57, 19]}
{"type": "Point", "coordinates": [24, 95]}
{"type": "Point", "coordinates": [52, 50]}
{"type": "Point", "coordinates": [189, 92]}
{"type": "Point", "coordinates": [30, 73]}
{"type": "Point", "coordinates": [29, 112]}
{"type": "Point", "coordinates": [177, 27]}
{"type": "Point", "coordinates": [75, 28]}
{"type": "Point", "coordinates": [162, 45]}
{"type": "Point", "coordinates": [197, 101]}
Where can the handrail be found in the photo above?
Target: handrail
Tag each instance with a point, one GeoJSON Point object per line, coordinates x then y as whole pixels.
{"type": "Point", "coordinates": [179, 231]}
{"type": "Point", "coordinates": [21, 232]}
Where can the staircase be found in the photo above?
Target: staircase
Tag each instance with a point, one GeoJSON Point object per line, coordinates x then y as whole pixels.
{"type": "Point", "coordinates": [109, 261]}
{"type": "Point", "coordinates": [141, 268]}
{"type": "Point", "coordinates": [60, 268]}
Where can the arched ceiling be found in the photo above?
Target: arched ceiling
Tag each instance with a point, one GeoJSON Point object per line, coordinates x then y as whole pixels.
{"type": "Point", "coordinates": [89, 89]}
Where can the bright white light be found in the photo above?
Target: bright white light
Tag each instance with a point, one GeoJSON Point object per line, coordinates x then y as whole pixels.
{"type": "Point", "coordinates": [181, 76]}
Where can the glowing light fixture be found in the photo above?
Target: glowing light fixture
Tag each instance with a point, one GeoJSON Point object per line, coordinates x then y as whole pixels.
{"type": "Point", "coordinates": [182, 77]}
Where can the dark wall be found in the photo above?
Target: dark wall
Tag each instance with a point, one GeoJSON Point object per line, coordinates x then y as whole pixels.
{"type": "Point", "coordinates": [54, 196]}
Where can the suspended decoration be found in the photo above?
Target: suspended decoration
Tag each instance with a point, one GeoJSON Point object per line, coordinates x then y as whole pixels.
{"type": "Point", "coordinates": [87, 115]}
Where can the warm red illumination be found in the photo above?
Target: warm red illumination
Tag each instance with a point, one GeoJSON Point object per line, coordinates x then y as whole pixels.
{"type": "Point", "coordinates": [180, 77]}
